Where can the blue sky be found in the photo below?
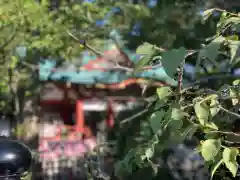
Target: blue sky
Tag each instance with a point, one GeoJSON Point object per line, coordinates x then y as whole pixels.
{"type": "Point", "coordinates": [136, 28]}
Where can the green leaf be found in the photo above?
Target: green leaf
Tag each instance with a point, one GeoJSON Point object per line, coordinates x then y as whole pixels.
{"type": "Point", "coordinates": [233, 38]}
{"type": "Point", "coordinates": [89, 16]}
{"type": "Point", "coordinates": [215, 167]}
{"type": "Point", "coordinates": [163, 92]}
{"type": "Point", "coordinates": [230, 159]}
{"type": "Point", "coordinates": [156, 121]}
{"type": "Point", "coordinates": [234, 21]}
{"type": "Point", "coordinates": [207, 13]}
{"type": "Point", "coordinates": [175, 124]}
{"type": "Point", "coordinates": [224, 15]}
{"type": "Point", "coordinates": [172, 59]}
{"type": "Point", "coordinates": [45, 3]}
{"type": "Point", "coordinates": [176, 118]}
{"type": "Point", "coordinates": [14, 61]}
{"type": "Point", "coordinates": [190, 130]}
{"type": "Point", "coordinates": [179, 135]}
{"type": "Point", "coordinates": [230, 154]}
{"type": "Point", "coordinates": [144, 49]}
{"type": "Point", "coordinates": [149, 153]}
{"type": "Point", "coordinates": [234, 94]}
{"type": "Point", "coordinates": [234, 50]}
{"type": "Point", "coordinates": [202, 113]}
{"type": "Point", "coordinates": [210, 148]}
{"type": "Point", "coordinates": [232, 167]}
{"type": "Point", "coordinates": [175, 136]}
{"type": "Point", "coordinates": [236, 82]}
{"type": "Point", "coordinates": [214, 109]}
{"type": "Point", "coordinates": [148, 51]}
{"type": "Point", "coordinates": [76, 7]}
{"type": "Point", "coordinates": [177, 114]}
{"type": "Point", "coordinates": [211, 52]}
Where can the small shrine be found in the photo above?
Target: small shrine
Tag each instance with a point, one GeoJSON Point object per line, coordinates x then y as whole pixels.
{"type": "Point", "coordinates": [74, 99]}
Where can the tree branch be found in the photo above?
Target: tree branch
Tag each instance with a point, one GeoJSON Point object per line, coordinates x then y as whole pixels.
{"type": "Point", "coordinates": [229, 112]}
{"type": "Point", "coordinates": [2, 46]}
{"type": "Point", "coordinates": [232, 14]}
{"type": "Point", "coordinates": [225, 133]}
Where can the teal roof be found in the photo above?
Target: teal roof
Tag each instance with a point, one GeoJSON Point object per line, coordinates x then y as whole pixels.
{"type": "Point", "coordinates": [71, 73]}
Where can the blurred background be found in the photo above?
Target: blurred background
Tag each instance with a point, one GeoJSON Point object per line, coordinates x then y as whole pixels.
{"type": "Point", "coordinates": [36, 31]}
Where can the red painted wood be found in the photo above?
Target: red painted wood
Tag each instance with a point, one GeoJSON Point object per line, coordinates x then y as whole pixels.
{"type": "Point", "coordinates": [80, 123]}
{"type": "Point", "coordinates": [110, 117]}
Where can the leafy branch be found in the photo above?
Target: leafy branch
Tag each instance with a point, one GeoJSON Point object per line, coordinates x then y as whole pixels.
{"type": "Point", "coordinates": [195, 105]}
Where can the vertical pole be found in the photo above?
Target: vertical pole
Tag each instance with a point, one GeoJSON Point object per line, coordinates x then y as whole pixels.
{"type": "Point", "coordinates": [110, 116]}
{"type": "Point", "coordinates": [79, 117]}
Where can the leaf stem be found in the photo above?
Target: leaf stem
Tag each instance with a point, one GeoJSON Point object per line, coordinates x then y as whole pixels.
{"type": "Point", "coordinates": [229, 112]}
{"type": "Point", "coordinates": [224, 132]}
{"type": "Point", "coordinates": [221, 10]}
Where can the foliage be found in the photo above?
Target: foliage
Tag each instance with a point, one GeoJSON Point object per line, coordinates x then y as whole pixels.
{"type": "Point", "coordinates": [209, 104]}
{"type": "Point", "coordinates": [43, 26]}
{"type": "Point", "coordinates": [31, 30]}
{"type": "Point", "coordinates": [178, 113]}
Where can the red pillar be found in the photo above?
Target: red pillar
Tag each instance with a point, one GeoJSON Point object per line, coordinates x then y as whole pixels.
{"type": "Point", "coordinates": [110, 116]}
{"type": "Point", "coordinates": [79, 117]}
